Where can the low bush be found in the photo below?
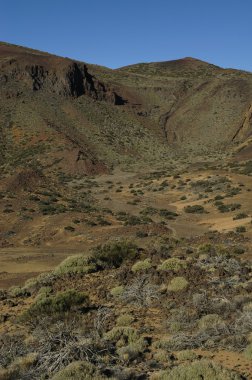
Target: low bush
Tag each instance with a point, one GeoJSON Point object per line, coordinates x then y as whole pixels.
{"type": "Point", "coordinates": [113, 254]}
{"type": "Point", "coordinates": [241, 215]}
{"type": "Point", "coordinates": [141, 265]}
{"type": "Point", "coordinates": [117, 291]}
{"type": "Point", "coordinates": [141, 234]}
{"type": "Point", "coordinates": [173, 264]}
{"type": "Point", "coordinates": [177, 284]}
{"type": "Point", "coordinates": [17, 291]}
{"type": "Point", "coordinates": [124, 320]}
{"type": "Point", "coordinates": [59, 303]}
{"type": "Point", "coordinates": [186, 355]}
{"type": "Point", "coordinates": [240, 229]}
{"type": "Point", "coordinates": [229, 207]}
{"type": "Point", "coordinates": [206, 248]}
{"type": "Point", "coordinates": [18, 368]}
{"type": "Point", "coordinates": [161, 356]}
{"type": "Point", "coordinates": [78, 264]}
{"type": "Point", "coordinates": [125, 334]}
{"type": "Point", "coordinates": [210, 321]}
{"type": "Point", "coordinates": [44, 279]}
{"type": "Point", "coordinates": [248, 352]}
{"type": "Point", "coordinates": [79, 370]}
{"type": "Point", "coordinates": [198, 370]}
{"type": "Point", "coordinates": [134, 220]}
{"type": "Point", "coordinates": [195, 209]}
{"type": "Point", "coordinates": [132, 351]}
{"type": "Point", "coordinates": [11, 347]}
{"type": "Point", "coordinates": [69, 228]}
{"type": "Point", "coordinates": [168, 214]}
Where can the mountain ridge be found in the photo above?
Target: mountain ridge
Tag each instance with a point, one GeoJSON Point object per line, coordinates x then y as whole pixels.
{"type": "Point", "coordinates": [182, 59]}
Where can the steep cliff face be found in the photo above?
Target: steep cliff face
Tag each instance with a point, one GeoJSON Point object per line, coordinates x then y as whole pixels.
{"type": "Point", "coordinates": [54, 75]}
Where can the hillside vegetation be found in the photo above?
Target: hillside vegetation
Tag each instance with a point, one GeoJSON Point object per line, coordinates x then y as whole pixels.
{"type": "Point", "coordinates": [126, 220]}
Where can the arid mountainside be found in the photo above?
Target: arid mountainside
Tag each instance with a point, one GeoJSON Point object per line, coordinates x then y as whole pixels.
{"type": "Point", "coordinates": [58, 112]}
{"type": "Point", "coordinates": [203, 103]}
{"type": "Point", "coordinates": [62, 121]}
{"type": "Point", "coordinates": [125, 220]}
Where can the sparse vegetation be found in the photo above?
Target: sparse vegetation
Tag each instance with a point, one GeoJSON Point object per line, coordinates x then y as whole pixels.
{"type": "Point", "coordinates": [197, 370]}
{"type": "Point", "coordinates": [195, 209]}
{"type": "Point", "coordinates": [59, 303]}
{"type": "Point", "coordinates": [173, 264]}
{"type": "Point", "coordinates": [141, 265]}
{"type": "Point", "coordinates": [140, 260]}
{"type": "Point", "coordinates": [177, 284]}
{"type": "Point", "coordinates": [113, 255]}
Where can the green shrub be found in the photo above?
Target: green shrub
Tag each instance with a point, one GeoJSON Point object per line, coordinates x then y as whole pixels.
{"type": "Point", "coordinates": [247, 170]}
{"type": "Point", "coordinates": [218, 203]}
{"type": "Point", "coordinates": [186, 355]}
{"type": "Point", "coordinates": [167, 214]}
{"type": "Point", "coordinates": [149, 211]}
{"type": "Point", "coordinates": [222, 207]}
{"type": "Point", "coordinates": [248, 307]}
{"type": "Point", "coordinates": [18, 367]}
{"type": "Point", "coordinates": [229, 207]}
{"type": "Point", "coordinates": [124, 320]}
{"type": "Point", "coordinates": [218, 197]}
{"type": "Point", "coordinates": [141, 234]}
{"type": "Point", "coordinates": [125, 334]}
{"type": "Point", "coordinates": [48, 209]}
{"type": "Point", "coordinates": [44, 279]}
{"type": "Point", "coordinates": [173, 264]}
{"type": "Point", "coordinates": [248, 352]}
{"type": "Point", "coordinates": [175, 327]}
{"type": "Point", "coordinates": [240, 229]}
{"type": "Point", "coordinates": [161, 356]}
{"type": "Point", "coordinates": [195, 209]}
{"type": "Point", "coordinates": [239, 250]}
{"type": "Point", "coordinates": [199, 370]}
{"type": "Point", "coordinates": [241, 215]}
{"type": "Point", "coordinates": [78, 264]}
{"type": "Point", "coordinates": [69, 228]}
{"type": "Point", "coordinates": [45, 291]}
{"type": "Point", "coordinates": [141, 265]}
{"type": "Point", "coordinates": [113, 254]}
{"type": "Point", "coordinates": [134, 220]}
{"type": "Point", "coordinates": [117, 291]}
{"type": "Point", "coordinates": [210, 321]}
{"type": "Point", "coordinates": [59, 303]}
{"type": "Point", "coordinates": [17, 291]}
{"type": "Point", "coordinates": [133, 350]}
{"type": "Point", "coordinates": [80, 370]}
{"type": "Point", "coordinates": [177, 284]}
{"type": "Point", "coordinates": [206, 248]}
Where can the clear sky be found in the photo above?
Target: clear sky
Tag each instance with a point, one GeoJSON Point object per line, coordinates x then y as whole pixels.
{"type": "Point", "coordinates": [115, 33]}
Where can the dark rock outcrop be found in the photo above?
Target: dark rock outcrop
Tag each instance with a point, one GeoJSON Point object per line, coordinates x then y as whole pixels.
{"type": "Point", "coordinates": [67, 78]}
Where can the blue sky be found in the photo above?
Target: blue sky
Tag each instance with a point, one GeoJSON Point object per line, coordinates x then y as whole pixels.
{"type": "Point", "coordinates": [115, 33]}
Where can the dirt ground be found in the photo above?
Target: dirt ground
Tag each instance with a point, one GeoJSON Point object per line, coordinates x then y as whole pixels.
{"type": "Point", "coordinates": [49, 243]}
